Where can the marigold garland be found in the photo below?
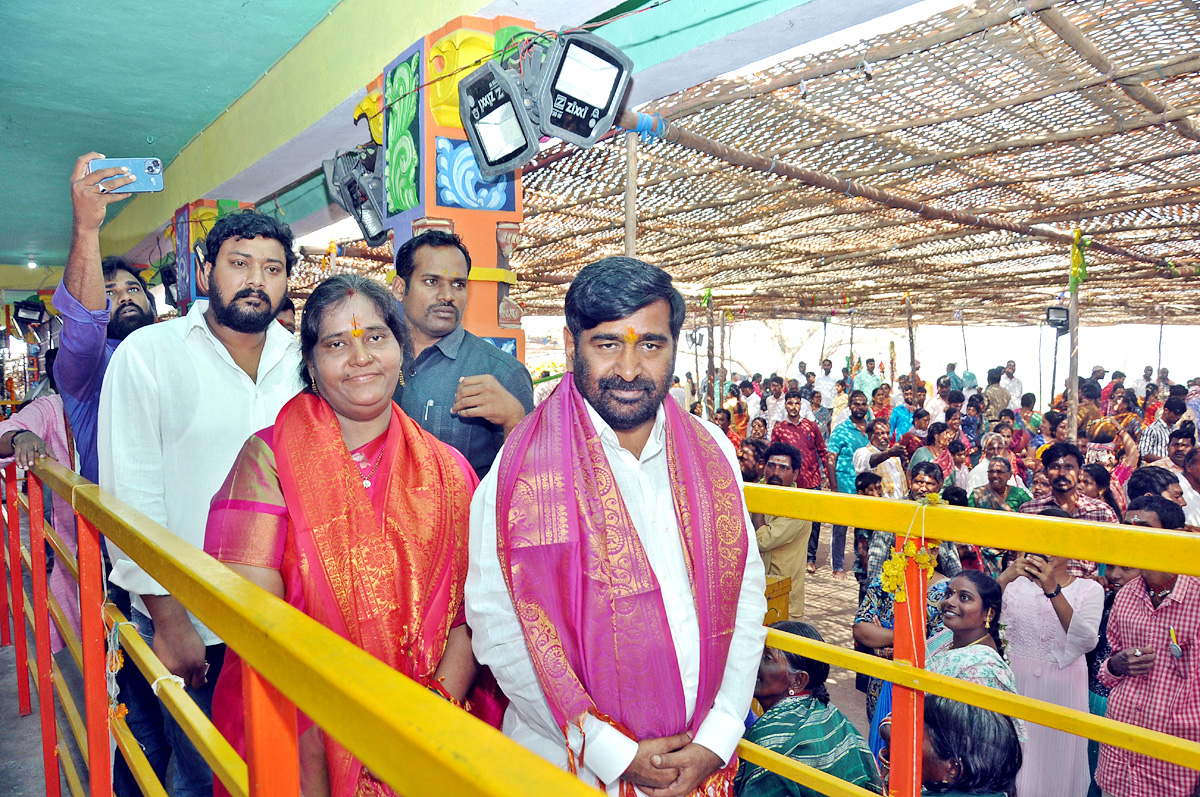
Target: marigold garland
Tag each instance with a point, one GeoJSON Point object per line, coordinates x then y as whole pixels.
{"type": "Point", "coordinates": [925, 556]}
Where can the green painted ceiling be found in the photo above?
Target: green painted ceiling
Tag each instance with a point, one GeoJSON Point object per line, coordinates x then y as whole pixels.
{"type": "Point", "coordinates": [124, 77]}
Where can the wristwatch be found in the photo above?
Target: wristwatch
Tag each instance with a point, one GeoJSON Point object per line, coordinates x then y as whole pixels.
{"type": "Point", "coordinates": [1055, 594]}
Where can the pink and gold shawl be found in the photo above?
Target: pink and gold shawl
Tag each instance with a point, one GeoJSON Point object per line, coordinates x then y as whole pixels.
{"type": "Point", "coordinates": [587, 598]}
{"type": "Point", "coordinates": [384, 567]}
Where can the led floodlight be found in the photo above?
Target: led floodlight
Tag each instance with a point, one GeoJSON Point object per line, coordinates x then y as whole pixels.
{"type": "Point", "coordinates": [584, 81]}
{"type": "Point", "coordinates": [1059, 319]}
{"type": "Point", "coordinates": [492, 107]}
{"type": "Point", "coordinates": [355, 181]}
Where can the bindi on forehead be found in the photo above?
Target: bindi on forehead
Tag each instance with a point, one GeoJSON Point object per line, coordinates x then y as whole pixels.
{"type": "Point", "coordinates": [631, 335]}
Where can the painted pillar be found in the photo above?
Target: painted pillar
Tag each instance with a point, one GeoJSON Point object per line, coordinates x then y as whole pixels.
{"type": "Point", "coordinates": [432, 181]}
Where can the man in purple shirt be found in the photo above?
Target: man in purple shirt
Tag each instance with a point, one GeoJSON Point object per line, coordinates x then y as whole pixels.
{"type": "Point", "coordinates": [100, 302]}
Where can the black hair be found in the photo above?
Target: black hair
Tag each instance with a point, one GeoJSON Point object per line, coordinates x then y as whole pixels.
{"type": "Point", "coordinates": [1055, 511]}
{"type": "Point", "coordinates": [943, 381]}
{"type": "Point", "coordinates": [110, 265]}
{"type": "Point", "coordinates": [1170, 514]}
{"type": "Point", "coordinates": [877, 391]}
{"type": "Point", "coordinates": [990, 596]}
{"type": "Point", "coordinates": [955, 495]}
{"type": "Point", "coordinates": [1060, 450]}
{"type": "Point", "coordinates": [759, 446]}
{"type": "Point", "coordinates": [919, 414]}
{"type": "Point", "coordinates": [1177, 390]}
{"type": "Point", "coordinates": [854, 393]}
{"type": "Point", "coordinates": [1028, 400]}
{"type": "Point", "coordinates": [871, 426]}
{"type": "Point", "coordinates": [784, 449]}
{"type": "Point", "coordinates": [818, 671]}
{"type": "Point", "coordinates": [791, 394]}
{"type": "Point", "coordinates": [1118, 375]}
{"type": "Point", "coordinates": [869, 360]}
{"type": "Point", "coordinates": [983, 742]}
{"type": "Point", "coordinates": [332, 292]}
{"type": "Point", "coordinates": [746, 383]}
{"type": "Point", "coordinates": [951, 414]}
{"type": "Point", "coordinates": [1190, 457]}
{"type": "Point", "coordinates": [436, 239]}
{"type": "Point", "coordinates": [930, 469]}
{"type": "Point", "coordinates": [1000, 426]}
{"type": "Point", "coordinates": [51, 356]}
{"type": "Point", "coordinates": [248, 224]}
{"type": "Point", "coordinates": [1051, 419]}
{"type": "Point", "coordinates": [866, 479]}
{"type": "Point", "coordinates": [1186, 431]}
{"type": "Point", "coordinates": [722, 411]}
{"type": "Point", "coordinates": [1103, 480]}
{"type": "Point", "coordinates": [286, 304]}
{"type": "Point", "coordinates": [695, 404]}
{"type": "Point", "coordinates": [1012, 416]}
{"type": "Point", "coordinates": [955, 397]}
{"type": "Point", "coordinates": [1176, 405]}
{"type": "Point", "coordinates": [956, 447]}
{"type": "Point", "coordinates": [994, 374]}
{"type": "Point", "coordinates": [1090, 390]}
{"type": "Point", "coordinates": [617, 287]}
{"type": "Point", "coordinates": [1149, 480]}
{"type": "Point", "coordinates": [935, 429]}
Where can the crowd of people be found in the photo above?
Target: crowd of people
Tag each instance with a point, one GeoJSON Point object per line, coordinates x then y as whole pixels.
{"type": "Point", "coordinates": [584, 573]}
{"type": "Point", "coordinates": [1135, 462]}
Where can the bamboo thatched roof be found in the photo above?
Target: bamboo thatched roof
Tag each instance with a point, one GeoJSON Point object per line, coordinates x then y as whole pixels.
{"type": "Point", "coordinates": [1049, 114]}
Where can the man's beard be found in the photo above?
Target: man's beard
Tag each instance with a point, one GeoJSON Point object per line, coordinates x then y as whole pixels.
{"type": "Point", "coordinates": [622, 415]}
{"type": "Point", "coordinates": [121, 324]}
{"type": "Point", "coordinates": [750, 477]}
{"type": "Point", "coordinates": [858, 416]}
{"type": "Point", "coordinates": [242, 319]}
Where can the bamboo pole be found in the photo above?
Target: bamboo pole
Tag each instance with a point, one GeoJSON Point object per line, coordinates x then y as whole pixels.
{"type": "Point", "coordinates": [631, 169]}
{"type": "Point", "coordinates": [1135, 89]}
{"type": "Point", "coordinates": [750, 160]}
{"type": "Point", "coordinates": [1073, 376]}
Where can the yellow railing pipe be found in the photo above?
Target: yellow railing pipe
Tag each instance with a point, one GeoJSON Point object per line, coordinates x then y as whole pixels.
{"type": "Point", "coordinates": [1119, 734]}
{"type": "Point", "coordinates": [406, 735]}
{"type": "Point", "coordinates": [1134, 546]}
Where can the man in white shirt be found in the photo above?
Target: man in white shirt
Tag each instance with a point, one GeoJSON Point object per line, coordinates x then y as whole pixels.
{"type": "Point", "coordinates": [597, 497]}
{"type": "Point", "coordinates": [776, 411]}
{"type": "Point", "coordinates": [826, 383]}
{"type": "Point", "coordinates": [1010, 382]}
{"type": "Point", "coordinates": [1140, 384]}
{"type": "Point", "coordinates": [939, 401]}
{"type": "Point", "coordinates": [179, 400]}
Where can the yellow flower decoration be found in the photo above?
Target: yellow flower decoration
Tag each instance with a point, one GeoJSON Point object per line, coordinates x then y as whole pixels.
{"type": "Point", "coordinates": [894, 568]}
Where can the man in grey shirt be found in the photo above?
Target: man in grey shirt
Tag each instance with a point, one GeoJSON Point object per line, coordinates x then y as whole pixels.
{"type": "Point", "coordinates": [460, 388]}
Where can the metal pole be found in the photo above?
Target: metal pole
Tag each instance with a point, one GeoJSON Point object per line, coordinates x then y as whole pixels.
{"type": "Point", "coordinates": [1162, 315]}
{"type": "Point", "coordinates": [1054, 369]}
{"type": "Point", "coordinates": [631, 168]}
{"type": "Point", "coordinates": [963, 326]}
{"type": "Point", "coordinates": [1041, 389]}
{"type": "Point", "coordinates": [912, 344]}
{"type": "Point", "coordinates": [850, 387]}
{"type": "Point", "coordinates": [712, 370]}
{"type": "Point", "coordinates": [1073, 383]}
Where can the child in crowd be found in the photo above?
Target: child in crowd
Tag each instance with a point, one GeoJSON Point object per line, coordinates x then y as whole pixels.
{"type": "Point", "coordinates": [961, 471]}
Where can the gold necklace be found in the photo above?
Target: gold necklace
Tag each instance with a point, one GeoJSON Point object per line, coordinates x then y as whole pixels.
{"type": "Point", "coordinates": [367, 480]}
{"type": "Point", "coordinates": [976, 642]}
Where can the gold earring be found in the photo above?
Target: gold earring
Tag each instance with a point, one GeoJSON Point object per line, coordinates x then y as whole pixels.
{"type": "Point", "coordinates": [314, 386]}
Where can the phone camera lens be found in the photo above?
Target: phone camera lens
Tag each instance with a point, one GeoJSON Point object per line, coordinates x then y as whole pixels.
{"type": "Point", "coordinates": [154, 166]}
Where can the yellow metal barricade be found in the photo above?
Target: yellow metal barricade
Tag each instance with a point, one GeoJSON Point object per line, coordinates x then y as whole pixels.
{"type": "Point", "coordinates": [409, 737]}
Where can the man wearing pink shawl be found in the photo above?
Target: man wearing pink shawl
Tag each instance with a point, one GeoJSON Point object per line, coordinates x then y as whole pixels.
{"type": "Point", "coordinates": [613, 586]}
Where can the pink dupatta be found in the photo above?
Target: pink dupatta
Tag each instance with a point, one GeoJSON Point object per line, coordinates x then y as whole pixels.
{"type": "Point", "coordinates": [586, 596]}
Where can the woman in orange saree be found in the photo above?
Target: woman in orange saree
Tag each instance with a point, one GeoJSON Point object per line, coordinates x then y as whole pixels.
{"type": "Point", "coordinates": [353, 514]}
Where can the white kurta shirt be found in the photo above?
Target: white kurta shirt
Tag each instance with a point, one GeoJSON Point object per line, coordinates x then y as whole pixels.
{"type": "Point", "coordinates": [175, 410]}
{"type": "Point", "coordinates": [499, 642]}
{"type": "Point", "coordinates": [1015, 390]}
